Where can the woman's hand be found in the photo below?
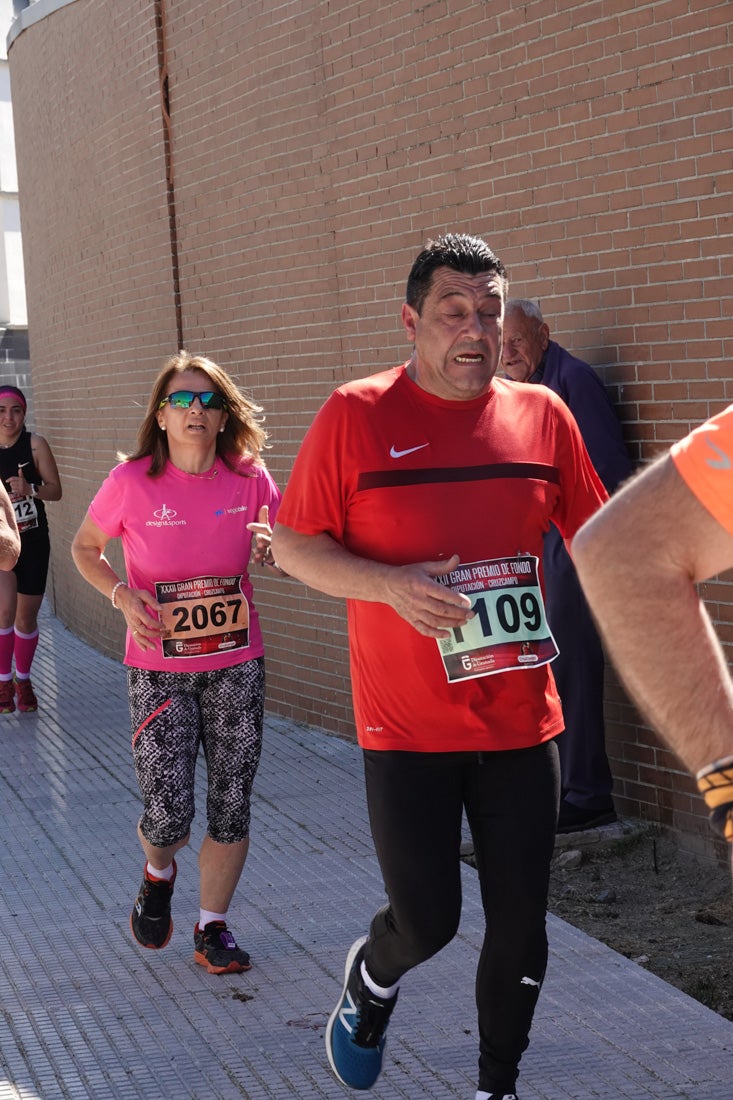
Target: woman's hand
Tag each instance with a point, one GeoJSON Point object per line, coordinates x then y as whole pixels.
{"type": "Point", "coordinates": [262, 541]}
{"type": "Point", "coordinates": [141, 613]}
{"type": "Point", "coordinates": [18, 486]}
{"type": "Point", "coordinates": [140, 608]}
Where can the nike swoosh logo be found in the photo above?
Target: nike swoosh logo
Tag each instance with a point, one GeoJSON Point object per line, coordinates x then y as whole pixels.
{"type": "Point", "coordinates": [722, 462]}
{"type": "Point", "coordinates": [401, 454]}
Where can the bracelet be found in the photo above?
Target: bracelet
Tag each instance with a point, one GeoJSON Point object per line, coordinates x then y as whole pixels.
{"type": "Point", "coordinates": [269, 559]}
{"type": "Point", "coordinates": [715, 784]}
{"type": "Point", "coordinates": [113, 593]}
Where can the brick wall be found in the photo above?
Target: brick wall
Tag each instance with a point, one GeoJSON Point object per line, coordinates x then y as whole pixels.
{"type": "Point", "coordinates": [314, 148]}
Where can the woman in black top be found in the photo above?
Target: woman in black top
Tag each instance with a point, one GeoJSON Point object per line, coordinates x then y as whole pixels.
{"type": "Point", "coordinates": [29, 471]}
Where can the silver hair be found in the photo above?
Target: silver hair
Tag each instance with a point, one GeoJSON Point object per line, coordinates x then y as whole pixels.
{"type": "Point", "coordinates": [526, 306]}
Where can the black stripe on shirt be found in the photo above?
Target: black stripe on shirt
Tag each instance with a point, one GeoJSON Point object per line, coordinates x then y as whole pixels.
{"type": "Point", "coordinates": [382, 479]}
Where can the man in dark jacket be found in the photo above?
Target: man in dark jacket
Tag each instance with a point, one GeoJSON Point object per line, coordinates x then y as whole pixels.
{"type": "Point", "coordinates": [529, 355]}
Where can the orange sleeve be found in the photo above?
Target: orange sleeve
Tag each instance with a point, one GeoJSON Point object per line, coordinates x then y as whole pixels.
{"type": "Point", "coordinates": [704, 460]}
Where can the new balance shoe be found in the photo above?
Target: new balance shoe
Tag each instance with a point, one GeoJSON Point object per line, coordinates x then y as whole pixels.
{"type": "Point", "coordinates": [7, 696]}
{"type": "Point", "coordinates": [150, 919]}
{"type": "Point", "coordinates": [26, 695]}
{"type": "Point", "coordinates": [356, 1032]}
{"type": "Point", "coordinates": [216, 949]}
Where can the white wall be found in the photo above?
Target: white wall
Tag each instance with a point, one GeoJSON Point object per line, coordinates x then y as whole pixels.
{"type": "Point", "coordinates": [12, 279]}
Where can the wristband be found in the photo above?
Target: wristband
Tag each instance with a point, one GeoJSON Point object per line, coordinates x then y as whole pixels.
{"type": "Point", "coordinates": [113, 593]}
{"type": "Point", "coordinates": [34, 490]}
{"type": "Point", "coordinates": [715, 783]}
{"type": "Point", "coordinates": [268, 559]}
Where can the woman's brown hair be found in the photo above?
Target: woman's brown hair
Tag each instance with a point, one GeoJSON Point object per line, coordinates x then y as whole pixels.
{"type": "Point", "coordinates": [243, 434]}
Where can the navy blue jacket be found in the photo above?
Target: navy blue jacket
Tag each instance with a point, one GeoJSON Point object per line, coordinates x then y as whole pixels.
{"type": "Point", "coordinates": [585, 395]}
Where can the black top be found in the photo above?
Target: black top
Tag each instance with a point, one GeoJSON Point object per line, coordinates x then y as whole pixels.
{"type": "Point", "coordinates": [21, 453]}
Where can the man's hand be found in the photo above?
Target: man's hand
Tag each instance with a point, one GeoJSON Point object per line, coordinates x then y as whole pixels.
{"type": "Point", "coordinates": [431, 608]}
{"type": "Point", "coordinates": [9, 537]}
{"type": "Point", "coordinates": [410, 590]}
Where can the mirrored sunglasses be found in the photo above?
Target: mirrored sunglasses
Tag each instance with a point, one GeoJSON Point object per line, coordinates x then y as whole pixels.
{"type": "Point", "coordinates": [184, 399]}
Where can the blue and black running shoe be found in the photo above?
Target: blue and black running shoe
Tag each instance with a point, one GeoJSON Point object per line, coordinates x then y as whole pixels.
{"type": "Point", "coordinates": [356, 1032]}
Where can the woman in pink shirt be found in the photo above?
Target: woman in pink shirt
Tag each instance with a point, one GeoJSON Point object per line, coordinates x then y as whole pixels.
{"type": "Point", "coordinates": [185, 506]}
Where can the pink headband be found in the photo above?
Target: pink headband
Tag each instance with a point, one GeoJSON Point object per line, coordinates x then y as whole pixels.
{"type": "Point", "coordinates": [12, 391]}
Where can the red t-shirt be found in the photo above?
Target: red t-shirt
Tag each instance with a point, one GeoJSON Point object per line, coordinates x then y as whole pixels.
{"type": "Point", "coordinates": [704, 460]}
{"type": "Point", "coordinates": [398, 475]}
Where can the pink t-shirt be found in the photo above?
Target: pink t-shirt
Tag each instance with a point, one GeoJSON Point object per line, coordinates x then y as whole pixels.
{"type": "Point", "coordinates": [185, 540]}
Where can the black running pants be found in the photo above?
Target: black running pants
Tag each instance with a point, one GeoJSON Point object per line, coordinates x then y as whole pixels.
{"type": "Point", "coordinates": [416, 802]}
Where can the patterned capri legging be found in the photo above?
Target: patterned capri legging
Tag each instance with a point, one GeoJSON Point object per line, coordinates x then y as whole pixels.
{"type": "Point", "coordinates": [172, 713]}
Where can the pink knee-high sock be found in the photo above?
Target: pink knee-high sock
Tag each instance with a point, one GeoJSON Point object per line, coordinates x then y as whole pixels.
{"type": "Point", "coordinates": [7, 644]}
{"type": "Point", "coordinates": [25, 647]}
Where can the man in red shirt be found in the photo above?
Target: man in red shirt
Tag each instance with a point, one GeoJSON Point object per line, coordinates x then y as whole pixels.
{"type": "Point", "coordinates": [422, 495]}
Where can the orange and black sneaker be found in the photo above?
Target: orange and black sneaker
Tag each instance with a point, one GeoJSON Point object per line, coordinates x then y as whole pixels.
{"type": "Point", "coordinates": [26, 695]}
{"type": "Point", "coordinates": [7, 696]}
{"type": "Point", "coordinates": [150, 920]}
{"type": "Point", "coordinates": [216, 949]}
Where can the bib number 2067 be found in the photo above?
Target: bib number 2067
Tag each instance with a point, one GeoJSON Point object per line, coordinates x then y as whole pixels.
{"type": "Point", "coordinates": [200, 616]}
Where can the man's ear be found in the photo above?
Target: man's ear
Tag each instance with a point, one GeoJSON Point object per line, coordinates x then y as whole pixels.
{"type": "Point", "coordinates": [409, 320]}
{"type": "Point", "coordinates": [544, 335]}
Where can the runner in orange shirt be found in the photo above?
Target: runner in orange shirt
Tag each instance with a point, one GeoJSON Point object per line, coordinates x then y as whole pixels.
{"type": "Point", "coordinates": [639, 560]}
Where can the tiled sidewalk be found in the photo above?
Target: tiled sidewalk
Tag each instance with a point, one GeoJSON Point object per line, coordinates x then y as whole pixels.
{"type": "Point", "coordinates": [85, 1013]}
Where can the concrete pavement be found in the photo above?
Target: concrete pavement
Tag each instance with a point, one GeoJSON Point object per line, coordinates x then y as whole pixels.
{"type": "Point", "coordinates": [86, 1013]}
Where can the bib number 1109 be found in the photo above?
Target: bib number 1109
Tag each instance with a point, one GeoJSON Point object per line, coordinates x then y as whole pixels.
{"type": "Point", "coordinates": [507, 618]}
{"type": "Point", "coordinates": [508, 630]}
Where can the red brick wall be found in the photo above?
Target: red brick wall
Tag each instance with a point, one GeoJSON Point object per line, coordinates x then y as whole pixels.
{"type": "Point", "coordinates": [314, 148]}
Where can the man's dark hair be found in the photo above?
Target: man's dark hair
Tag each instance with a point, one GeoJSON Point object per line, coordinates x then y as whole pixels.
{"type": "Point", "coordinates": [469, 255]}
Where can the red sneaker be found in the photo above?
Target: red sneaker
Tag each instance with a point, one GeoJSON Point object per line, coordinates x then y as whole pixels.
{"type": "Point", "coordinates": [7, 697]}
{"type": "Point", "coordinates": [26, 695]}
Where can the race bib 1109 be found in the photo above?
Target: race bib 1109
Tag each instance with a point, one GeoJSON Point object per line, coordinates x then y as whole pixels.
{"type": "Point", "coordinates": [509, 630]}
